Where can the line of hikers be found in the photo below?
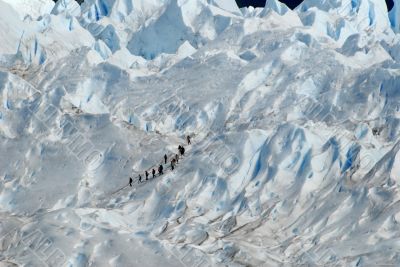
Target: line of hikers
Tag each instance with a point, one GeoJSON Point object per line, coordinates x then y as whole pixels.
{"type": "Point", "coordinates": [174, 161]}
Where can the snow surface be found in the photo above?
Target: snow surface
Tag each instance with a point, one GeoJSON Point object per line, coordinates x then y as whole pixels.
{"type": "Point", "coordinates": [294, 118]}
{"type": "Point", "coordinates": [31, 8]}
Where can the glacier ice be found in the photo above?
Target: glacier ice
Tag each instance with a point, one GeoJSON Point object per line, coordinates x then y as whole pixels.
{"type": "Point", "coordinates": [294, 117]}
{"type": "Point", "coordinates": [394, 16]}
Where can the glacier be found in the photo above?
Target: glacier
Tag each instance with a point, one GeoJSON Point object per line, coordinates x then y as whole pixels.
{"type": "Point", "coordinates": [294, 117]}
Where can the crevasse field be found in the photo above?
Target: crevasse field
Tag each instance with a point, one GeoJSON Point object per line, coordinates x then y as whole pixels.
{"type": "Point", "coordinates": [294, 117]}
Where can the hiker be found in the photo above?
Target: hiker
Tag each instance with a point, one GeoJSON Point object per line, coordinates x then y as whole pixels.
{"type": "Point", "coordinates": [165, 158]}
{"type": "Point", "coordinates": [182, 150]}
{"type": "Point", "coordinates": [154, 173]}
{"type": "Point", "coordinates": [173, 164]}
{"type": "Point", "coordinates": [188, 140]}
{"type": "Point", "coordinates": [176, 158]}
{"type": "Point", "coordinates": [130, 181]}
{"type": "Point", "coordinates": [160, 169]}
{"type": "Point", "coordinates": [147, 175]}
{"type": "Point", "coordinates": [140, 178]}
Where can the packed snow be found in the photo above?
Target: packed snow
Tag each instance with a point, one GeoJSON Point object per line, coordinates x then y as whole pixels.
{"type": "Point", "coordinates": [294, 119]}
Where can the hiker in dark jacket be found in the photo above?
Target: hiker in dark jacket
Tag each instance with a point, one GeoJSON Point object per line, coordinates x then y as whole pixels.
{"type": "Point", "coordinates": [160, 170]}
{"type": "Point", "coordinates": [173, 161]}
{"type": "Point", "coordinates": [147, 175]}
{"type": "Point", "coordinates": [154, 173]}
{"type": "Point", "coordinates": [182, 151]}
{"type": "Point", "coordinates": [165, 158]}
{"type": "Point", "coordinates": [130, 181]}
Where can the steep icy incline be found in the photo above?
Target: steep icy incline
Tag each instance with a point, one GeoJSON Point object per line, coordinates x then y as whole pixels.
{"type": "Point", "coordinates": [70, 7]}
{"type": "Point", "coordinates": [229, 5]}
{"type": "Point", "coordinates": [294, 118]}
{"type": "Point", "coordinates": [11, 27]}
{"type": "Point", "coordinates": [276, 6]}
{"type": "Point", "coordinates": [394, 16]}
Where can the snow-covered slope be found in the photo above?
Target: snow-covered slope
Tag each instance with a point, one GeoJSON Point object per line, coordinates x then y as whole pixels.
{"type": "Point", "coordinates": [31, 8]}
{"type": "Point", "coordinates": [294, 118]}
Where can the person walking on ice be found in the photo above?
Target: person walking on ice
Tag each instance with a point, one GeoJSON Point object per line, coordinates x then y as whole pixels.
{"type": "Point", "coordinates": [173, 161]}
{"type": "Point", "coordinates": [147, 175]}
{"type": "Point", "coordinates": [130, 181]}
{"type": "Point", "coordinates": [181, 150]}
{"type": "Point", "coordinates": [165, 158]}
{"type": "Point", "coordinates": [154, 173]}
{"type": "Point", "coordinates": [176, 158]}
{"type": "Point", "coordinates": [188, 140]}
{"type": "Point", "coordinates": [140, 178]}
{"type": "Point", "coordinates": [160, 170]}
